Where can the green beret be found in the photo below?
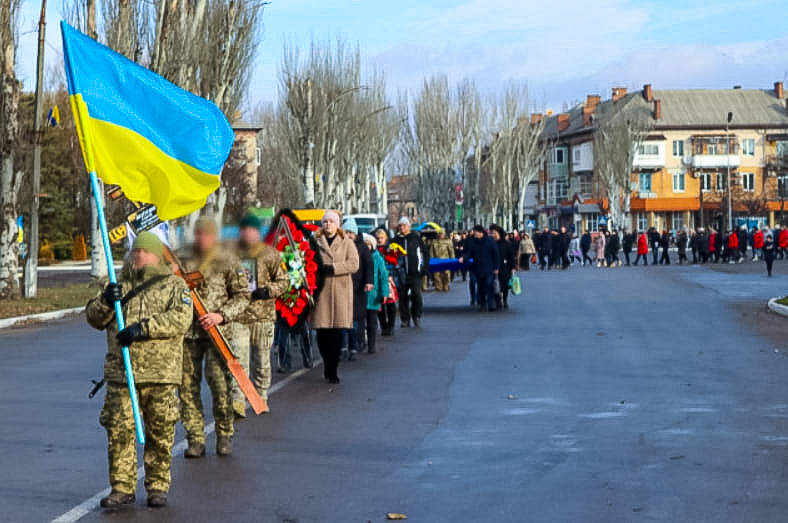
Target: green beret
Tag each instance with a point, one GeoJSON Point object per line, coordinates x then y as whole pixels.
{"type": "Point", "coordinates": [150, 242]}
{"type": "Point", "coordinates": [250, 220]}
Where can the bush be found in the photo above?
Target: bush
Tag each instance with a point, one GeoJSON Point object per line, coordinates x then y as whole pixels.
{"type": "Point", "coordinates": [63, 250]}
{"type": "Point", "coordinates": [80, 249]}
{"type": "Point", "coordinates": [46, 255]}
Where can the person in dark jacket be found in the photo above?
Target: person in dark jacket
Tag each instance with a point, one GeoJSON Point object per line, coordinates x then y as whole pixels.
{"type": "Point", "coordinates": [681, 244]}
{"type": "Point", "coordinates": [664, 243]}
{"type": "Point", "coordinates": [416, 265]}
{"type": "Point", "coordinates": [363, 281]}
{"type": "Point", "coordinates": [743, 240]}
{"type": "Point", "coordinates": [483, 254]}
{"type": "Point", "coordinates": [545, 246]}
{"type": "Point", "coordinates": [769, 250]}
{"type": "Point", "coordinates": [653, 240]}
{"type": "Point", "coordinates": [614, 242]}
{"type": "Point", "coordinates": [627, 243]}
{"type": "Point", "coordinates": [555, 249]}
{"type": "Point", "coordinates": [564, 239]}
{"type": "Point", "coordinates": [506, 265]}
{"type": "Point", "coordinates": [702, 241]}
{"type": "Point", "coordinates": [585, 247]}
{"type": "Point", "coordinates": [718, 243]}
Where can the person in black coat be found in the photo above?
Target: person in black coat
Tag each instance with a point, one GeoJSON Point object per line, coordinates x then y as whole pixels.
{"type": "Point", "coordinates": [702, 241]}
{"type": "Point", "coordinates": [769, 253]}
{"type": "Point", "coordinates": [627, 244]}
{"type": "Point", "coordinates": [743, 239]}
{"type": "Point", "coordinates": [614, 241]}
{"type": "Point", "coordinates": [585, 247]}
{"type": "Point", "coordinates": [506, 265]}
{"type": "Point", "coordinates": [544, 247]}
{"type": "Point", "coordinates": [564, 239]}
{"type": "Point", "coordinates": [363, 281]}
{"type": "Point", "coordinates": [482, 252]}
{"type": "Point", "coordinates": [664, 243]}
{"type": "Point", "coordinates": [653, 240]}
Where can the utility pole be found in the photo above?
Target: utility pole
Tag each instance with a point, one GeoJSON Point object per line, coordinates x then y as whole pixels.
{"type": "Point", "coordinates": [31, 262]}
{"type": "Point", "coordinates": [729, 151]}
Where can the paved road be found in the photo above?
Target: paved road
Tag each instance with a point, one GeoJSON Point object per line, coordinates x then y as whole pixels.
{"type": "Point", "coordinates": [654, 394]}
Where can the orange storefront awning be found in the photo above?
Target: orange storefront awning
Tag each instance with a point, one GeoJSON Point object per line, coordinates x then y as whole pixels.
{"type": "Point", "coordinates": [664, 204]}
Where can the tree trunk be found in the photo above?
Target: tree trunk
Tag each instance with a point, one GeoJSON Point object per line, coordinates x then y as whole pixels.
{"type": "Point", "coordinates": [10, 178]}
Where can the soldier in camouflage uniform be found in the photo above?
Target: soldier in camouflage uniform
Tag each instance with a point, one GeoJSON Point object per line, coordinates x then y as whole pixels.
{"type": "Point", "coordinates": [444, 249]}
{"type": "Point", "coordinates": [157, 309]}
{"type": "Point", "coordinates": [254, 330]}
{"type": "Point", "coordinates": [224, 290]}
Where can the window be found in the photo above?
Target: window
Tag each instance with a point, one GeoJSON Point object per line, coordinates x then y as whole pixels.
{"type": "Point", "coordinates": [591, 221]}
{"type": "Point", "coordinates": [748, 147]}
{"type": "Point", "coordinates": [722, 180]}
{"type": "Point", "coordinates": [645, 182]}
{"type": "Point", "coordinates": [677, 220]}
{"type": "Point", "coordinates": [782, 148]}
{"type": "Point", "coordinates": [678, 148]}
{"type": "Point", "coordinates": [748, 182]}
{"type": "Point", "coordinates": [258, 156]}
{"type": "Point", "coordinates": [576, 154]}
{"type": "Point", "coordinates": [642, 222]}
{"type": "Point", "coordinates": [679, 182]}
{"type": "Point", "coordinates": [557, 156]}
{"type": "Point", "coordinates": [782, 187]}
{"type": "Point", "coordinates": [711, 149]}
{"type": "Point", "coordinates": [648, 149]}
{"type": "Point", "coordinates": [705, 182]}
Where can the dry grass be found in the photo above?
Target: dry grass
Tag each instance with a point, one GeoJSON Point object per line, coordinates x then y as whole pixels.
{"type": "Point", "coordinates": [50, 299]}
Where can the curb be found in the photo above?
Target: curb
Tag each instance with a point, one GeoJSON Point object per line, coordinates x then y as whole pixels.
{"type": "Point", "coordinates": [44, 316]}
{"type": "Point", "coordinates": [775, 307]}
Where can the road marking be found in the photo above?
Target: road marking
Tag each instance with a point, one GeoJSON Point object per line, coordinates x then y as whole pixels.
{"type": "Point", "coordinates": [92, 503]}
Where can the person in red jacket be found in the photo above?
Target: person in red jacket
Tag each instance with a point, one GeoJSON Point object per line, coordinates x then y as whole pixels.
{"type": "Point", "coordinates": [782, 242]}
{"type": "Point", "coordinates": [733, 247]}
{"type": "Point", "coordinates": [757, 244]}
{"type": "Point", "coordinates": [642, 249]}
{"type": "Point", "coordinates": [713, 254]}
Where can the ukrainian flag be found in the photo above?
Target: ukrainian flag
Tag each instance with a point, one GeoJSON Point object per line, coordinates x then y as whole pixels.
{"type": "Point", "coordinates": [158, 142]}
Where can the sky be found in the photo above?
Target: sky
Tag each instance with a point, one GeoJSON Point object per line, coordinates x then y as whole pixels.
{"type": "Point", "coordinates": [562, 49]}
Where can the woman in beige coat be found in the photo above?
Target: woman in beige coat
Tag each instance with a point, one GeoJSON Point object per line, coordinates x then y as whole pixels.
{"type": "Point", "coordinates": [334, 308]}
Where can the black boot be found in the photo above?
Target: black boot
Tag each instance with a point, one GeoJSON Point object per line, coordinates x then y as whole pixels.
{"type": "Point", "coordinates": [157, 499]}
{"type": "Point", "coordinates": [224, 445]}
{"type": "Point", "coordinates": [195, 450]}
{"type": "Point", "coordinates": [117, 499]}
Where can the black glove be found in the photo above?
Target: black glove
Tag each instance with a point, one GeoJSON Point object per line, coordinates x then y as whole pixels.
{"type": "Point", "coordinates": [130, 334]}
{"type": "Point", "coordinates": [113, 292]}
{"type": "Point", "coordinates": [261, 293]}
{"type": "Point", "coordinates": [328, 270]}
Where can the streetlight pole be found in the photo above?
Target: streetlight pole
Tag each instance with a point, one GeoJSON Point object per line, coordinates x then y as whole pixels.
{"type": "Point", "coordinates": [730, 202]}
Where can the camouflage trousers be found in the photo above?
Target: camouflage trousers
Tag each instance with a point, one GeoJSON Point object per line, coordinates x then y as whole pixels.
{"type": "Point", "coordinates": [441, 281]}
{"type": "Point", "coordinates": [252, 346]}
{"type": "Point", "coordinates": [159, 407]}
{"type": "Point", "coordinates": [219, 379]}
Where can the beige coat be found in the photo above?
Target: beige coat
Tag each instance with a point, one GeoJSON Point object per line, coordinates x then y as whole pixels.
{"type": "Point", "coordinates": [334, 307]}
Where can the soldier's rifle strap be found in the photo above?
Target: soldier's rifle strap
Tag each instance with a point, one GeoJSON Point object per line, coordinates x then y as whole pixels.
{"type": "Point", "coordinates": [136, 291]}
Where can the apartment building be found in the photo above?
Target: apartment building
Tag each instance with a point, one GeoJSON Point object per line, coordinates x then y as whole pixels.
{"type": "Point", "coordinates": [695, 141]}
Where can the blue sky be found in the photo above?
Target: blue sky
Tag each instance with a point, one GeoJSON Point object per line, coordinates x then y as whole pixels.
{"type": "Point", "coordinates": [563, 49]}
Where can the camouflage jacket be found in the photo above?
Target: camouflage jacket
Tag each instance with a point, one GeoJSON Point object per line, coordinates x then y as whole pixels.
{"type": "Point", "coordinates": [442, 249]}
{"type": "Point", "coordinates": [162, 305]}
{"type": "Point", "coordinates": [271, 274]}
{"type": "Point", "coordinates": [223, 288]}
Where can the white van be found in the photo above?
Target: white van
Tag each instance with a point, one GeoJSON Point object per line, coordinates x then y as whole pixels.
{"type": "Point", "coordinates": [368, 222]}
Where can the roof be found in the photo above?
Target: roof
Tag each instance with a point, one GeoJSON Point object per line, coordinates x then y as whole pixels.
{"type": "Point", "coordinates": [689, 108]}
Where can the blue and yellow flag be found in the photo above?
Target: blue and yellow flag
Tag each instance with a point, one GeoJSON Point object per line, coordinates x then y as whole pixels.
{"type": "Point", "coordinates": [158, 142]}
{"type": "Point", "coordinates": [53, 117]}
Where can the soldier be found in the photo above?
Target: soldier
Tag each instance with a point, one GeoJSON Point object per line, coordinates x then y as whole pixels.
{"type": "Point", "coordinates": [224, 290]}
{"type": "Point", "coordinates": [158, 311]}
{"type": "Point", "coordinates": [254, 330]}
{"type": "Point", "coordinates": [444, 249]}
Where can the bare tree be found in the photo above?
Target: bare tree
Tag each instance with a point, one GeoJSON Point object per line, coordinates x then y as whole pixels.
{"type": "Point", "coordinates": [616, 142]}
{"type": "Point", "coordinates": [10, 173]}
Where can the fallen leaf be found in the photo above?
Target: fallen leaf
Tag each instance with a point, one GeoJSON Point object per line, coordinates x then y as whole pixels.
{"type": "Point", "coordinates": [393, 516]}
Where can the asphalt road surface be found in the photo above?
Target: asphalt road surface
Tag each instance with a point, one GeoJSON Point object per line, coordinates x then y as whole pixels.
{"type": "Point", "coordinates": [656, 394]}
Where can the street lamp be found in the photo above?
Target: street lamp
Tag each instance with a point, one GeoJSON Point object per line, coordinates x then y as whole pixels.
{"type": "Point", "coordinates": [730, 202]}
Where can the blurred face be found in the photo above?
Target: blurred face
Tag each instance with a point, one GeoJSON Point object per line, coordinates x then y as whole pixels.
{"type": "Point", "coordinates": [478, 235]}
{"type": "Point", "coordinates": [495, 235]}
{"type": "Point", "coordinates": [204, 240]}
{"type": "Point", "coordinates": [351, 235]}
{"type": "Point", "coordinates": [250, 236]}
{"type": "Point", "coordinates": [381, 237]}
{"type": "Point", "coordinates": [330, 227]}
{"type": "Point", "coordinates": [143, 258]}
{"type": "Point", "coordinates": [404, 228]}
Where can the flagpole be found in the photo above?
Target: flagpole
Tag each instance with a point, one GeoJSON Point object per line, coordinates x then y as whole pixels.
{"type": "Point", "coordinates": [80, 114]}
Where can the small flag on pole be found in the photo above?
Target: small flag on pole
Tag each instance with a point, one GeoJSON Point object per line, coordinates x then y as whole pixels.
{"type": "Point", "coordinates": [158, 142]}
{"type": "Point", "coordinates": [53, 117]}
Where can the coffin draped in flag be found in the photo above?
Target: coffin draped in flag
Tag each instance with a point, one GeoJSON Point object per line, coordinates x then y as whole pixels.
{"type": "Point", "coordinates": [158, 142]}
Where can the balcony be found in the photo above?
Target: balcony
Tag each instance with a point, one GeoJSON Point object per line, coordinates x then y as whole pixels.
{"type": "Point", "coordinates": [649, 156]}
{"type": "Point", "coordinates": [777, 164]}
{"type": "Point", "coordinates": [714, 152]}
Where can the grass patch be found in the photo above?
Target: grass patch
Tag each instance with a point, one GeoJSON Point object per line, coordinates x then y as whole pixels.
{"type": "Point", "coordinates": [783, 301]}
{"type": "Point", "coordinates": [49, 299]}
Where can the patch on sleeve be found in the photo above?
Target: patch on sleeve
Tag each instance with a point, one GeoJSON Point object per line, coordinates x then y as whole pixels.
{"type": "Point", "coordinates": [187, 297]}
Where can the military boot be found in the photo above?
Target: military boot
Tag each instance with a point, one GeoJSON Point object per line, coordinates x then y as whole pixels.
{"type": "Point", "coordinates": [224, 445]}
{"type": "Point", "coordinates": [157, 499]}
{"type": "Point", "coordinates": [195, 450]}
{"type": "Point", "coordinates": [117, 499]}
